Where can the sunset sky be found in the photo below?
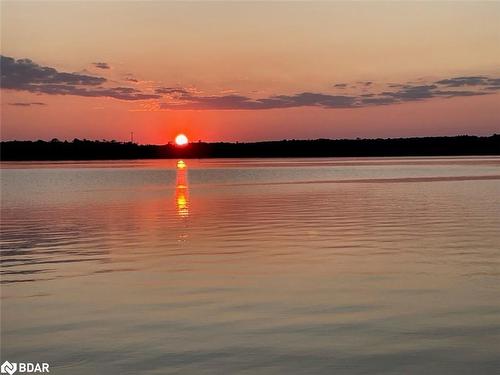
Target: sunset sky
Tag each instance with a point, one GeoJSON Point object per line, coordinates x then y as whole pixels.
{"type": "Point", "coordinates": [233, 71]}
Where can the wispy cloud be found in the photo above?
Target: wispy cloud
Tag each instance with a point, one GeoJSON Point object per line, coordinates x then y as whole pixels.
{"type": "Point", "coordinates": [27, 104]}
{"type": "Point", "coordinates": [465, 81]}
{"type": "Point", "coordinates": [172, 90]}
{"type": "Point", "coordinates": [101, 65]}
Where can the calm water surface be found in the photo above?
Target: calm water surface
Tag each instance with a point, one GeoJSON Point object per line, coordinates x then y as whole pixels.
{"type": "Point", "coordinates": [268, 266]}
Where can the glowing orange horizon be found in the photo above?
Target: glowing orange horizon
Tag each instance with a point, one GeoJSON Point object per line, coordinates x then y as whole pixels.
{"type": "Point", "coordinates": [254, 86]}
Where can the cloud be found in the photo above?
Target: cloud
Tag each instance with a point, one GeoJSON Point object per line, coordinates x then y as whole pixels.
{"type": "Point", "coordinates": [26, 104]}
{"type": "Point", "coordinates": [397, 93]}
{"type": "Point", "coordinates": [378, 101]}
{"type": "Point", "coordinates": [121, 93]}
{"type": "Point", "coordinates": [240, 102]}
{"type": "Point", "coordinates": [488, 83]}
{"type": "Point", "coordinates": [172, 90]}
{"type": "Point", "coordinates": [494, 81]}
{"type": "Point", "coordinates": [463, 81]}
{"type": "Point", "coordinates": [396, 85]}
{"type": "Point", "coordinates": [420, 92]}
{"type": "Point", "coordinates": [101, 65]}
{"type": "Point", "coordinates": [409, 92]}
{"type": "Point", "coordinates": [25, 75]}
{"type": "Point", "coordinates": [454, 94]}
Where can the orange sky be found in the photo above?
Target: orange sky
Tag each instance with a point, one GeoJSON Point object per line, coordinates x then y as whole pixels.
{"type": "Point", "coordinates": [248, 71]}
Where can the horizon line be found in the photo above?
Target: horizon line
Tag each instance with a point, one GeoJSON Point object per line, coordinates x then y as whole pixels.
{"type": "Point", "coordinates": [66, 140]}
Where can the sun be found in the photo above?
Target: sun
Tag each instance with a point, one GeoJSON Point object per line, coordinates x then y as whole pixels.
{"type": "Point", "coordinates": [181, 140]}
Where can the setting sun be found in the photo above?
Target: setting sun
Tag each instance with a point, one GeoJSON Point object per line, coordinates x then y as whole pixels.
{"type": "Point", "coordinates": [181, 140]}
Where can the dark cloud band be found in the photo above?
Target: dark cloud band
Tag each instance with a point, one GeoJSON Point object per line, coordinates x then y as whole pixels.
{"type": "Point", "coordinates": [400, 93]}
{"type": "Point", "coordinates": [27, 104]}
{"type": "Point", "coordinates": [25, 75]}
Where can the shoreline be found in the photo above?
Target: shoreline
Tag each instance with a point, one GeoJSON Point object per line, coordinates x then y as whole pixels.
{"type": "Point", "coordinates": [79, 150]}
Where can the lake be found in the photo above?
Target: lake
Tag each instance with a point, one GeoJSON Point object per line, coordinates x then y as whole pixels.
{"type": "Point", "coordinates": [246, 266]}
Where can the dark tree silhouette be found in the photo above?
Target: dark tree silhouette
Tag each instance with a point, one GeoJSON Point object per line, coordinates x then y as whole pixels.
{"type": "Point", "coordinates": [94, 150]}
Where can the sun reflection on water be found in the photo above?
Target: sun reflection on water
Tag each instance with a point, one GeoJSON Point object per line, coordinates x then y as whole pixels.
{"type": "Point", "coordinates": [181, 190]}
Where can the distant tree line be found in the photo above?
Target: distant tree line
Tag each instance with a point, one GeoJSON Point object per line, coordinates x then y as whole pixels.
{"type": "Point", "coordinates": [101, 150]}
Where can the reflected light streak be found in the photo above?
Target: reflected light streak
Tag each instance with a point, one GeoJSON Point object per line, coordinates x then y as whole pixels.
{"type": "Point", "coordinates": [181, 190]}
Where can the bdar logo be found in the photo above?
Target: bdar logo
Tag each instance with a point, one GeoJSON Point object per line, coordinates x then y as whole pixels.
{"type": "Point", "coordinates": [8, 368]}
